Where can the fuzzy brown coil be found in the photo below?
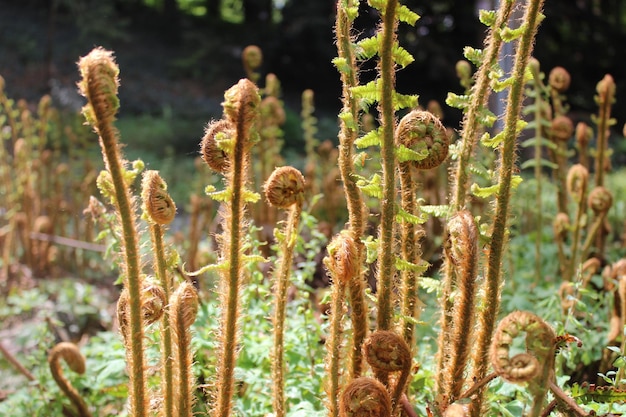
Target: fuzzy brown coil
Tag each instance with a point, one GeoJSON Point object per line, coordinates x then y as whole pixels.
{"type": "Point", "coordinates": [342, 260]}
{"type": "Point", "coordinates": [76, 362]}
{"type": "Point", "coordinates": [272, 111]}
{"type": "Point", "coordinates": [99, 84]}
{"type": "Point", "coordinates": [562, 128]}
{"type": "Point", "coordinates": [600, 200]}
{"type": "Point", "coordinates": [365, 397]}
{"type": "Point", "coordinates": [561, 225]}
{"type": "Point", "coordinates": [559, 79]}
{"type": "Point", "coordinates": [284, 187]}
{"type": "Point", "coordinates": [419, 129]}
{"type": "Point", "coordinates": [387, 351]}
{"type": "Point", "coordinates": [583, 134]}
{"type": "Point", "coordinates": [212, 153]}
{"type": "Point", "coordinates": [577, 180]}
{"type": "Point", "coordinates": [153, 302]}
{"type": "Point", "coordinates": [157, 203]}
{"type": "Point", "coordinates": [525, 366]}
{"type": "Point", "coordinates": [252, 57]}
{"type": "Point", "coordinates": [185, 304]}
{"type": "Point", "coordinates": [241, 105]}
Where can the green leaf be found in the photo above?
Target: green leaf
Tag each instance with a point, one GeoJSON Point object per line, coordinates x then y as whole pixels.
{"type": "Point", "coordinates": [366, 94]}
{"type": "Point", "coordinates": [342, 65]}
{"type": "Point", "coordinates": [484, 192]}
{"type": "Point", "coordinates": [404, 101]}
{"type": "Point", "coordinates": [430, 284]}
{"type": "Point", "coordinates": [221, 196]}
{"type": "Point", "coordinates": [352, 12]}
{"type": "Point", "coordinates": [487, 17]}
{"type": "Point", "coordinates": [458, 101]}
{"type": "Point", "coordinates": [404, 154]}
{"type": "Point", "coordinates": [348, 119]}
{"type": "Point", "coordinates": [250, 196]}
{"type": "Point", "coordinates": [402, 265]}
{"type": "Point", "coordinates": [509, 34]}
{"type": "Point", "coordinates": [404, 216]}
{"type": "Point", "coordinates": [475, 56]}
{"type": "Point", "coordinates": [440, 211]}
{"type": "Point", "coordinates": [371, 138]}
{"type": "Point", "coordinates": [401, 56]}
{"type": "Point", "coordinates": [372, 187]}
{"type": "Point", "coordinates": [407, 16]}
{"type": "Point", "coordinates": [531, 163]}
{"type": "Point", "coordinates": [367, 48]}
{"type": "Point", "coordinates": [371, 247]}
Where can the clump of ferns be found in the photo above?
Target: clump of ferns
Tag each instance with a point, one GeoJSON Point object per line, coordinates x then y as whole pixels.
{"type": "Point", "coordinates": [142, 302]}
{"type": "Point", "coordinates": [37, 186]}
{"type": "Point", "coordinates": [489, 77]}
{"type": "Point", "coordinates": [226, 147]}
{"type": "Point", "coordinates": [418, 141]}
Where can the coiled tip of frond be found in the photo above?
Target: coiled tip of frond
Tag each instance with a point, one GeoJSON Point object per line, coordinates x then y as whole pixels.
{"type": "Point", "coordinates": [123, 313]}
{"type": "Point", "coordinates": [387, 351]}
{"type": "Point", "coordinates": [561, 225]}
{"type": "Point", "coordinates": [606, 89]}
{"type": "Point", "coordinates": [461, 238]}
{"type": "Point", "coordinates": [284, 187]}
{"type": "Point", "coordinates": [463, 69]}
{"type": "Point", "coordinates": [583, 134]}
{"type": "Point", "coordinates": [213, 145]}
{"type": "Point", "coordinates": [342, 260]}
{"type": "Point", "coordinates": [600, 200]}
{"type": "Point", "coordinates": [185, 304]}
{"type": "Point", "coordinates": [99, 85]}
{"type": "Point", "coordinates": [252, 57]}
{"type": "Point", "coordinates": [153, 303]}
{"type": "Point", "coordinates": [241, 105]}
{"type": "Point", "coordinates": [43, 224]}
{"type": "Point", "coordinates": [577, 180]}
{"type": "Point", "coordinates": [421, 131]}
{"type": "Point", "coordinates": [70, 354]}
{"type": "Point", "coordinates": [365, 397]}
{"type": "Point", "coordinates": [559, 79]}
{"type": "Point", "coordinates": [525, 366]}
{"type": "Point", "coordinates": [272, 111]}
{"type": "Point", "coordinates": [562, 128]}
{"type": "Point", "coordinates": [157, 203]}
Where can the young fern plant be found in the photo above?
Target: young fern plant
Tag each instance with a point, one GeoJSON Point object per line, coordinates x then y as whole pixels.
{"type": "Point", "coordinates": [539, 108]}
{"type": "Point", "coordinates": [99, 84]}
{"type": "Point", "coordinates": [226, 148]}
{"type": "Point", "coordinates": [489, 76]}
{"type": "Point", "coordinates": [283, 189]}
{"type": "Point", "coordinates": [382, 91]}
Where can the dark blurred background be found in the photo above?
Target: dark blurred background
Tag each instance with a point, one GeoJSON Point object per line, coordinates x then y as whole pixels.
{"type": "Point", "coordinates": [178, 56]}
